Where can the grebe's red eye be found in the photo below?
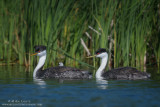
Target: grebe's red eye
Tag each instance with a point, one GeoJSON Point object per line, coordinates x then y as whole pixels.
{"type": "Point", "coordinates": [97, 53]}
{"type": "Point", "coordinates": [39, 51]}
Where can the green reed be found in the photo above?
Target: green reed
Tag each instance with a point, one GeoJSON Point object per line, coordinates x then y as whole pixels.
{"type": "Point", "coordinates": [127, 26]}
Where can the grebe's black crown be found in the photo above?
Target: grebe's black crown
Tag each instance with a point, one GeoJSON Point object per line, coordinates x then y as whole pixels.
{"type": "Point", "coordinates": [39, 48]}
{"type": "Point", "coordinates": [100, 50]}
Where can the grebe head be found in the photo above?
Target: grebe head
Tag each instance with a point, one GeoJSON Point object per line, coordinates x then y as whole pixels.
{"type": "Point", "coordinates": [101, 53]}
{"type": "Point", "coordinates": [40, 50]}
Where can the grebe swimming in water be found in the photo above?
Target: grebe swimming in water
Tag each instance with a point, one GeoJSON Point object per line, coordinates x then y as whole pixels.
{"type": "Point", "coordinates": [56, 72]}
{"type": "Point", "coordinates": [125, 73]}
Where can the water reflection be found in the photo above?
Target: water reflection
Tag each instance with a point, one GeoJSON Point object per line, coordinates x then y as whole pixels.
{"type": "Point", "coordinates": [102, 84]}
{"type": "Point", "coordinates": [39, 82]}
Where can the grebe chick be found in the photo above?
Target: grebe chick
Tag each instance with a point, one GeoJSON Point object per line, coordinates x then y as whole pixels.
{"type": "Point", "coordinates": [60, 64]}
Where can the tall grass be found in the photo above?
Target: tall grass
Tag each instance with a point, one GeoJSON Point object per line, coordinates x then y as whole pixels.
{"type": "Point", "coordinates": [129, 27]}
{"type": "Point", "coordinates": [133, 31]}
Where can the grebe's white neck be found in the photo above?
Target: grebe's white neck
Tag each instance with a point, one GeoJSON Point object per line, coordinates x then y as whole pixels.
{"type": "Point", "coordinates": [104, 59]}
{"type": "Point", "coordinates": [42, 58]}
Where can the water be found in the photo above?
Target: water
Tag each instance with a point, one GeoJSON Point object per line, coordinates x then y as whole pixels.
{"type": "Point", "coordinates": [17, 88]}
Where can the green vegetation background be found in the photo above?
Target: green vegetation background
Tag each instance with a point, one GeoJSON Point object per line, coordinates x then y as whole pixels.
{"type": "Point", "coordinates": [128, 29]}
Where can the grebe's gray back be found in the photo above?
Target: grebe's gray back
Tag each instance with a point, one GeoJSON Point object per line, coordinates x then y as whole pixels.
{"type": "Point", "coordinates": [56, 72]}
{"type": "Point", "coordinates": [118, 73]}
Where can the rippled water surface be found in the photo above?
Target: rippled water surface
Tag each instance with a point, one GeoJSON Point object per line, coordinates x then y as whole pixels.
{"type": "Point", "coordinates": [18, 88]}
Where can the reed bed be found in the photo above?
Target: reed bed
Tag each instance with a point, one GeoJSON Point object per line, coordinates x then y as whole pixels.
{"type": "Point", "coordinates": [128, 29]}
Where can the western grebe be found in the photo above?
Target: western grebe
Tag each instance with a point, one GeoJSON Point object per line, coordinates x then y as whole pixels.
{"type": "Point", "coordinates": [56, 72]}
{"type": "Point", "coordinates": [127, 73]}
